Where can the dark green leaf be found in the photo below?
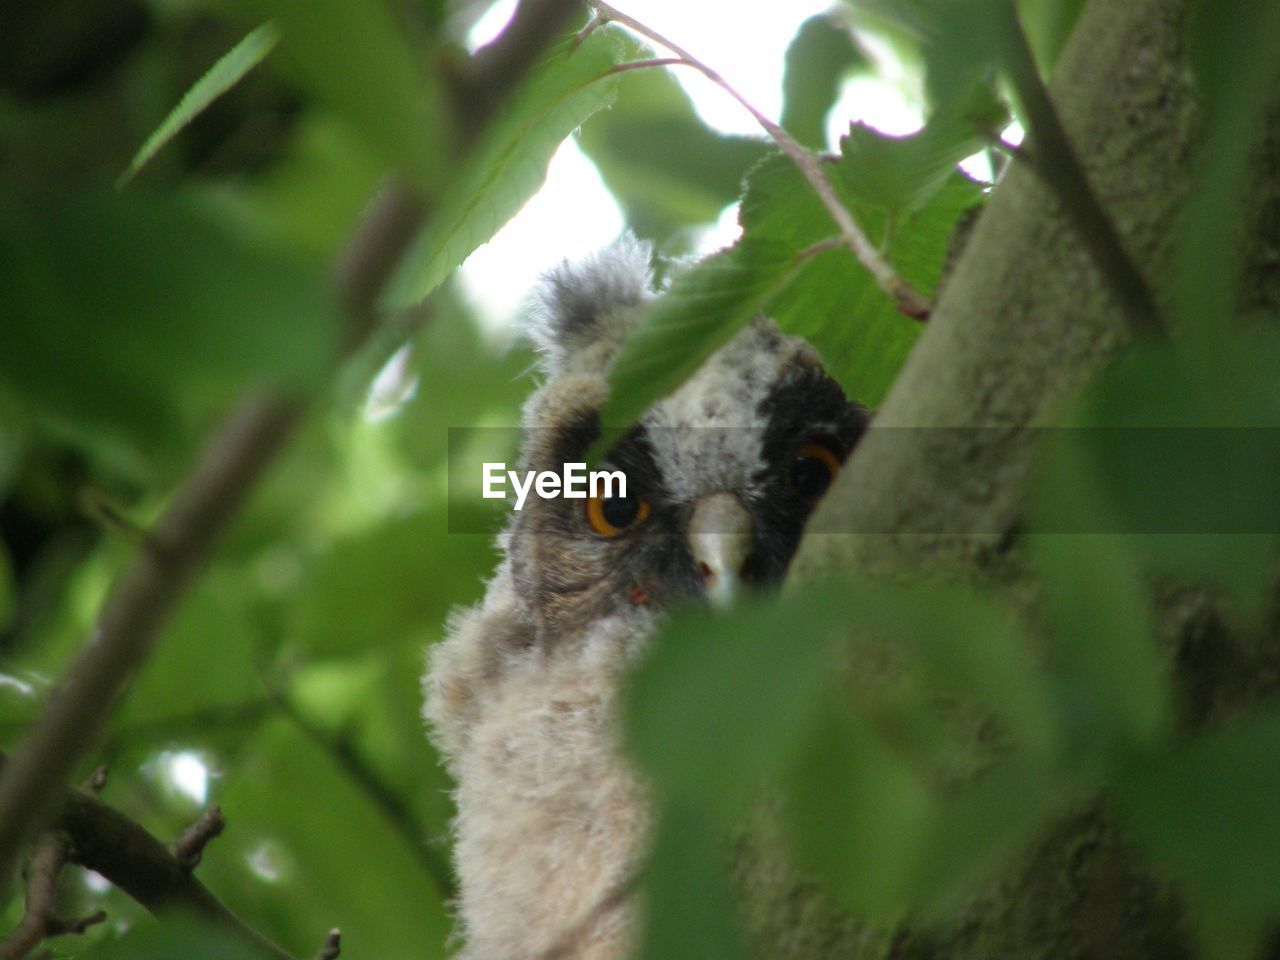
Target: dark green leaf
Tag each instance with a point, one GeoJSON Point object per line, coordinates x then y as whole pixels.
{"type": "Point", "coordinates": [133, 317]}
{"type": "Point", "coordinates": [510, 162]}
{"type": "Point", "coordinates": [220, 78]}
{"type": "Point", "coordinates": [821, 54]}
{"type": "Point", "coordinates": [1113, 679]}
{"type": "Point", "coordinates": [1207, 810]}
{"type": "Point", "coordinates": [1232, 44]}
{"type": "Point", "coordinates": [354, 58]}
{"type": "Point", "coordinates": [724, 700]}
{"type": "Point", "coordinates": [689, 908]}
{"type": "Point", "coordinates": [189, 937]}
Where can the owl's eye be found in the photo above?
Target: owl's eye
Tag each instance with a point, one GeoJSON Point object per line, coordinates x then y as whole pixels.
{"type": "Point", "coordinates": [609, 516]}
{"type": "Point", "coordinates": [811, 469]}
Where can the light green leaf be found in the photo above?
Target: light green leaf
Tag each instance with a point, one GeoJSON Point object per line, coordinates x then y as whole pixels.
{"type": "Point", "coordinates": [273, 873]}
{"type": "Point", "coordinates": [220, 78]}
{"type": "Point", "coordinates": [510, 162]}
{"type": "Point", "coordinates": [901, 174]}
{"type": "Point", "coordinates": [1048, 24]}
{"type": "Point", "coordinates": [702, 310]}
{"type": "Point", "coordinates": [833, 302]}
{"type": "Point", "coordinates": [821, 54]}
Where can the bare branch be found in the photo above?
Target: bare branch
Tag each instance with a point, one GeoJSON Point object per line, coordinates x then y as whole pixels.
{"type": "Point", "coordinates": [907, 299]}
{"type": "Point", "coordinates": [42, 876]}
{"type": "Point", "coordinates": [332, 948]}
{"type": "Point", "coordinates": [1054, 160]}
{"type": "Point", "coordinates": [190, 846]}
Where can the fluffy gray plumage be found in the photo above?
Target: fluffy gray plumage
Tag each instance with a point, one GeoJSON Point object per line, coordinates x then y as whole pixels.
{"type": "Point", "coordinates": [521, 696]}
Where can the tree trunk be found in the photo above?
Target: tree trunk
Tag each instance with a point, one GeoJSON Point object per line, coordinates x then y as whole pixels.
{"type": "Point", "coordinates": [1023, 321]}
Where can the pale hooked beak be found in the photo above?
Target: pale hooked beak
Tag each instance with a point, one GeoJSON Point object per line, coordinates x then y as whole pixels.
{"type": "Point", "coordinates": [721, 535]}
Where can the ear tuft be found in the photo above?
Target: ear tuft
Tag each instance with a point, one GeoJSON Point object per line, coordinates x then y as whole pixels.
{"type": "Point", "coordinates": [590, 303]}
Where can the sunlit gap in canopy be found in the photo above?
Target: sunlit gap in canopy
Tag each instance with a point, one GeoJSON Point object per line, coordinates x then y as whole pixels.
{"type": "Point", "coordinates": [574, 214]}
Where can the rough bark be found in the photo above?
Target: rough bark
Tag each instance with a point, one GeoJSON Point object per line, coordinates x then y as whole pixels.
{"type": "Point", "coordinates": [1024, 320]}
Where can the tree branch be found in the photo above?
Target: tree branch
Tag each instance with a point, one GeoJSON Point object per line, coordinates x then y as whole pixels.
{"type": "Point", "coordinates": [235, 458]}
{"type": "Point", "coordinates": [38, 920]}
{"type": "Point", "coordinates": [95, 836]}
{"type": "Point", "coordinates": [1054, 159]}
{"type": "Point", "coordinates": [908, 300]}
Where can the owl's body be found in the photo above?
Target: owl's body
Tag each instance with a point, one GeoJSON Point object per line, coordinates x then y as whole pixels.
{"type": "Point", "coordinates": [522, 695]}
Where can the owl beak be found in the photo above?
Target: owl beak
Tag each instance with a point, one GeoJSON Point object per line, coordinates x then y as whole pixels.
{"type": "Point", "coordinates": [721, 535]}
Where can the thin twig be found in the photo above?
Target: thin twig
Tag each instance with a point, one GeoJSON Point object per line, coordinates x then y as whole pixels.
{"type": "Point", "coordinates": [368, 781]}
{"type": "Point", "coordinates": [106, 841]}
{"type": "Point", "coordinates": [907, 299]}
{"type": "Point", "coordinates": [332, 948]}
{"type": "Point", "coordinates": [42, 876]}
{"type": "Point", "coordinates": [1054, 160]}
{"type": "Point", "coordinates": [189, 848]}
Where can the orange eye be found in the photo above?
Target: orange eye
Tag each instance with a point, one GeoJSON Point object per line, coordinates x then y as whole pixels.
{"type": "Point", "coordinates": [812, 468]}
{"type": "Point", "coordinates": [609, 516]}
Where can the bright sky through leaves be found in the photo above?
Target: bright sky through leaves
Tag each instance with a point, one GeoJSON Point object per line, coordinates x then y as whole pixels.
{"type": "Point", "coordinates": [574, 214]}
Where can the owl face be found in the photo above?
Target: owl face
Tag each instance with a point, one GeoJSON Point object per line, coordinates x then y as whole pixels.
{"type": "Point", "coordinates": [721, 475]}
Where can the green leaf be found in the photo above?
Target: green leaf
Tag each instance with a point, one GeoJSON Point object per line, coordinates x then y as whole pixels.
{"type": "Point", "coordinates": [363, 876]}
{"type": "Point", "coordinates": [1206, 810]}
{"type": "Point", "coordinates": [220, 78]}
{"type": "Point", "coordinates": [886, 840]}
{"type": "Point", "coordinates": [689, 908]}
{"type": "Point", "coordinates": [354, 57]}
{"type": "Point", "coordinates": [702, 310]}
{"type": "Point", "coordinates": [1048, 24]}
{"type": "Point", "coordinates": [955, 38]}
{"type": "Point", "coordinates": [1232, 45]}
{"type": "Point", "coordinates": [189, 937]}
{"type": "Point", "coordinates": [1113, 681]}
{"type": "Point", "coordinates": [206, 663]}
{"type": "Point", "coordinates": [901, 174]}
{"type": "Point", "coordinates": [724, 700]}
{"type": "Point", "coordinates": [821, 54]}
{"type": "Point", "coordinates": [667, 170]}
{"type": "Point", "coordinates": [393, 580]}
{"type": "Point", "coordinates": [134, 319]}
{"type": "Point", "coordinates": [8, 592]}
{"type": "Point", "coordinates": [963, 645]}
{"type": "Point", "coordinates": [510, 162]}
{"type": "Point", "coordinates": [833, 302]}
{"type": "Point", "coordinates": [1157, 432]}
{"type": "Point", "coordinates": [858, 815]}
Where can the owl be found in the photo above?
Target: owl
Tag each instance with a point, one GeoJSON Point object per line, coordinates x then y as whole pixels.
{"type": "Point", "coordinates": [522, 695]}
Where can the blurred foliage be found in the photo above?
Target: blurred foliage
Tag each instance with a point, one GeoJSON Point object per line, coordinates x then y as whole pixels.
{"type": "Point", "coordinates": [290, 675]}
